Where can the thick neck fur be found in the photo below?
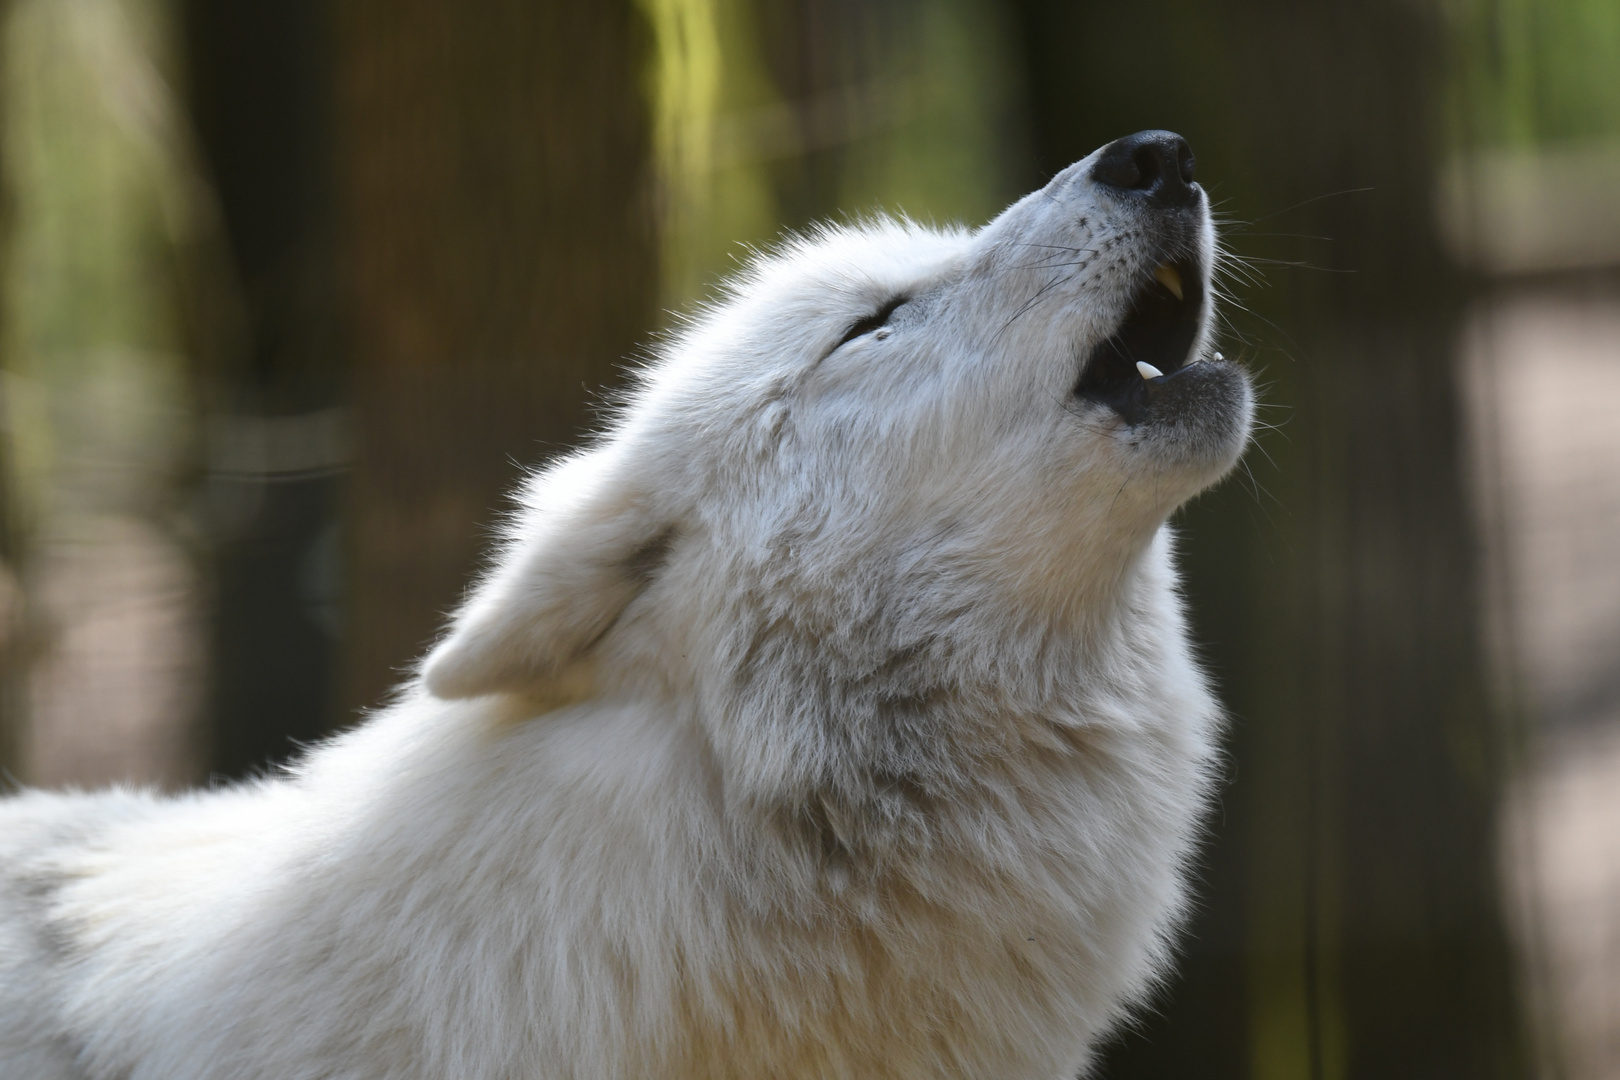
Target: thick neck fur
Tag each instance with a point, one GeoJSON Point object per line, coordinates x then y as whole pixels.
{"type": "Point", "coordinates": [852, 733]}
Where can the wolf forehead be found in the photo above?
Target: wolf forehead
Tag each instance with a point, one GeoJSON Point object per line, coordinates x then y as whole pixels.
{"type": "Point", "coordinates": [791, 307]}
{"type": "Point", "coordinates": [810, 291]}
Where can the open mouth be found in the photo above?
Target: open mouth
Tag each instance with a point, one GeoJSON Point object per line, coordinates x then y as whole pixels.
{"type": "Point", "coordinates": [1152, 345]}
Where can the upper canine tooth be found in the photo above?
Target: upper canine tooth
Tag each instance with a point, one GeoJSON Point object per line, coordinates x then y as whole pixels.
{"type": "Point", "coordinates": [1148, 370]}
{"type": "Point", "coordinates": [1169, 277]}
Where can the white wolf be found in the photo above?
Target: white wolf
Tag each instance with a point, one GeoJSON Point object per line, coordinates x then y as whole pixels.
{"type": "Point", "coordinates": [831, 715]}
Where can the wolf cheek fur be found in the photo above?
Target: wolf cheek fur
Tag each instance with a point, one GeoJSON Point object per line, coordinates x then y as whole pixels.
{"type": "Point", "coordinates": [832, 715]}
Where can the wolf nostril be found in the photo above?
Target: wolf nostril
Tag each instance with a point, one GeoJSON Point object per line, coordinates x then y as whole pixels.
{"type": "Point", "coordinates": [1159, 164]}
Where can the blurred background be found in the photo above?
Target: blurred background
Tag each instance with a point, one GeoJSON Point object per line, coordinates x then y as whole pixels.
{"type": "Point", "coordinates": [292, 291]}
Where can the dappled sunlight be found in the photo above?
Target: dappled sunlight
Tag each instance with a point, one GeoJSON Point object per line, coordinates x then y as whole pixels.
{"type": "Point", "coordinates": [1542, 364]}
{"type": "Point", "coordinates": [100, 398]}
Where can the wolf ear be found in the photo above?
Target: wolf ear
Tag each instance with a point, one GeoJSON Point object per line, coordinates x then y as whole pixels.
{"type": "Point", "coordinates": [585, 544]}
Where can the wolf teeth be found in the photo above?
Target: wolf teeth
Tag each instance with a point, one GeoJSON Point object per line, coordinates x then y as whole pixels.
{"type": "Point", "coordinates": [1148, 370]}
{"type": "Point", "coordinates": [1169, 277]}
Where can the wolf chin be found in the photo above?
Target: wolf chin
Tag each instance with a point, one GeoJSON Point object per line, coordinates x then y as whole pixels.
{"type": "Point", "coordinates": [832, 714]}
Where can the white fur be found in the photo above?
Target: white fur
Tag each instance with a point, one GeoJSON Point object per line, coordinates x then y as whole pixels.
{"type": "Point", "coordinates": [832, 715]}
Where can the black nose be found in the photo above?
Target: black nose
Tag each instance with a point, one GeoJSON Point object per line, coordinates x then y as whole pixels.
{"type": "Point", "coordinates": [1159, 164]}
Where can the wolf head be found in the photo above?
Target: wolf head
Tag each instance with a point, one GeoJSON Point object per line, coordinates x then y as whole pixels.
{"type": "Point", "coordinates": [884, 450]}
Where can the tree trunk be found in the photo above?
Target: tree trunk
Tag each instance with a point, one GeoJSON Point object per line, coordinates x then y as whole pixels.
{"type": "Point", "coordinates": [500, 259]}
{"type": "Point", "coordinates": [267, 337]}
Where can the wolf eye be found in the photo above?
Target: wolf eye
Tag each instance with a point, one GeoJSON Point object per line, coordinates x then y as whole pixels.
{"type": "Point", "coordinates": [872, 322]}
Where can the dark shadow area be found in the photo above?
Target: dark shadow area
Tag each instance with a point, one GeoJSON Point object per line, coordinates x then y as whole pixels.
{"type": "Point", "coordinates": [259, 86]}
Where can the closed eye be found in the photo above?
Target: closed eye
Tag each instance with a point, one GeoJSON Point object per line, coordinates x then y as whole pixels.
{"type": "Point", "coordinates": [874, 321]}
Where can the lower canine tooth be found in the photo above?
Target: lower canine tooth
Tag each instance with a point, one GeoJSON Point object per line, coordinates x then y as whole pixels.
{"type": "Point", "coordinates": [1169, 277]}
{"type": "Point", "coordinates": [1148, 370]}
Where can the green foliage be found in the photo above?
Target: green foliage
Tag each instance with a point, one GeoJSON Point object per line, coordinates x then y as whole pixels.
{"type": "Point", "coordinates": [1535, 71]}
{"type": "Point", "coordinates": [96, 384]}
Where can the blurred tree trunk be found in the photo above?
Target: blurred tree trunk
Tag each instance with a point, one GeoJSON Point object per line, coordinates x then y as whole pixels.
{"type": "Point", "coordinates": [494, 159]}
{"type": "Point", "coordinates": [1350, 924]}
{"type": "Point", "coordinates": [267, 337]}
